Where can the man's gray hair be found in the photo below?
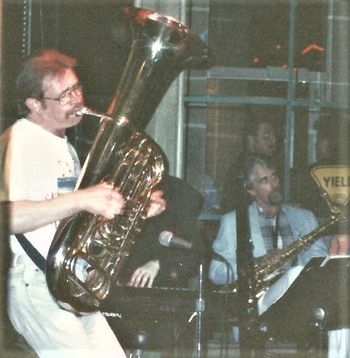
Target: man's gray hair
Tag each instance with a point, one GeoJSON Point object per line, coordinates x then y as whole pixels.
{"type": "Point", "coordinates": [250, 165]}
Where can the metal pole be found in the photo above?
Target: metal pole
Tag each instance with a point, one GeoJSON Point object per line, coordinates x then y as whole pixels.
{"type": "Point", "coordinates": [27, 28]}
{"type": "Point", "coordinates": [289, 128]}
{"type": "Point", "coordinates": [200, 305]}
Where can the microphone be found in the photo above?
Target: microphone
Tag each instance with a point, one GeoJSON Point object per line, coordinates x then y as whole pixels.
{"type": "Point", "coordinates": [168, 239]}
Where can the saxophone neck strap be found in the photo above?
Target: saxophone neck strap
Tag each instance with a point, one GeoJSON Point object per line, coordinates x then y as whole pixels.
{"type": "Point", "coordinates": [32, 252]}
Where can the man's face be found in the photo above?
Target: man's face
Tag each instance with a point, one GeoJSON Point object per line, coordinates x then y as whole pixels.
{"type": "Point", "coordinates": [54, 116]}
{"type": "Point", "coordinates": [265, 182]}
{"type": "Point", "coordinates": [264, 143]}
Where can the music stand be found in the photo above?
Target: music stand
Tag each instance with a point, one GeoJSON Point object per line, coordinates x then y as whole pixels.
{"type": "Point", "coordinates": [317, 300]}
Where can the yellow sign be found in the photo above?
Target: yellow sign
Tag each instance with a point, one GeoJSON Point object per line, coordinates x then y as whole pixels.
{"type": "Point", "coordinates": [334, 180]}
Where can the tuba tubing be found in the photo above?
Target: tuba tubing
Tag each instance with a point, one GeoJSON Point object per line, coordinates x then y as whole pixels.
{"type": "Point", "coordinates": [88, 253]}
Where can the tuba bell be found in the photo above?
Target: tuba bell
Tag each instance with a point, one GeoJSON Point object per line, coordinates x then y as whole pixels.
{"type": "Point", "coordinates": [88, 252]}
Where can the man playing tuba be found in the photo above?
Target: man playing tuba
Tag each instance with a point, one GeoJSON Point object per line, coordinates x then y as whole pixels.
{"type": "Point", "coordinates": [39, 171]}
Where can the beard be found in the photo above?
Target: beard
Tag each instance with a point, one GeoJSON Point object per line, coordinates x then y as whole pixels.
{"type": "Point", "coordinates": [275, 198]}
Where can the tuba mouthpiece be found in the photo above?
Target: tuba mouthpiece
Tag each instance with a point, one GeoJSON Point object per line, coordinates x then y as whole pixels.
{"type": "Point", "coordinates": [90, 112]}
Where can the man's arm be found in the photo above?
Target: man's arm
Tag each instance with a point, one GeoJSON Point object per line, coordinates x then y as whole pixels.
{"type": "Point", "coordinates": [102, 199]}
{"type": "Point", "coordinates": [307, 222]}
{"type": "Point", "coordinates": [28, 215]}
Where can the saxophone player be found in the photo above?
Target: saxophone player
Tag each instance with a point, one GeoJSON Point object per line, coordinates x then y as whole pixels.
{"type": "Point", "coordinates": [39, 171]}
{"type": "Point", "coordinates": [273, 227]}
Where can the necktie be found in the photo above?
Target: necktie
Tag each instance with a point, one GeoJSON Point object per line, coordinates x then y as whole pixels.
{"type": "Point", "coordinates": [275, 232]}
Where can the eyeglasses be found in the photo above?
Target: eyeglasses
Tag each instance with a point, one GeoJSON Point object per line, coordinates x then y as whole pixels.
{"type": "Point", "coordinates": [66, 95]}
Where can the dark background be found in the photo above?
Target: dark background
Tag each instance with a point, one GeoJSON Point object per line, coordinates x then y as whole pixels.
{"type": "Point", "coordinates": [95, 35]}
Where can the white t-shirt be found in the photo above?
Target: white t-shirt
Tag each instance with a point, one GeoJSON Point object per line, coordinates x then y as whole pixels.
{"type": "Point", "coordinates": [38, 165]}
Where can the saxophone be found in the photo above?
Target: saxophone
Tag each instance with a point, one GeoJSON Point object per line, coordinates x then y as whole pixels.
{"type": "Point", "coordinates": [266, 273]}
{"type": "Point", "coordinates": [88, 252]}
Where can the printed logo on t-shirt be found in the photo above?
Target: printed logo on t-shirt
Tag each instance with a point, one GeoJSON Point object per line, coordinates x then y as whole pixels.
{"type": "Point", "coordinates": [67, 168]}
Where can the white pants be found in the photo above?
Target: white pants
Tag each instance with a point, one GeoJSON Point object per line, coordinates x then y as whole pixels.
{"type": "Point", "coordinates": [50, 330]}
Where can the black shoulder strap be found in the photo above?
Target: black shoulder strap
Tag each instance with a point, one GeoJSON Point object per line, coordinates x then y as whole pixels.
{"type": "Point", "coordinates": [32, 252]}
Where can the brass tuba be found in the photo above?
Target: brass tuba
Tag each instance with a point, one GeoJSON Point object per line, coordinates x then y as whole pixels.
{"type": "Point", "coordinates": [87, 252]}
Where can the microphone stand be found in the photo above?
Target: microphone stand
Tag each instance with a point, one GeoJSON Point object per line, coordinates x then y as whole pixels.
{"type": "Point", "coordinates": [166, 238]}
{"type": "Point", "coordinates": [245, 275]}
{"type": "Point", "coordinates": [200, 302]}
{"type": "Point", "coordinates": [200, 306]}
